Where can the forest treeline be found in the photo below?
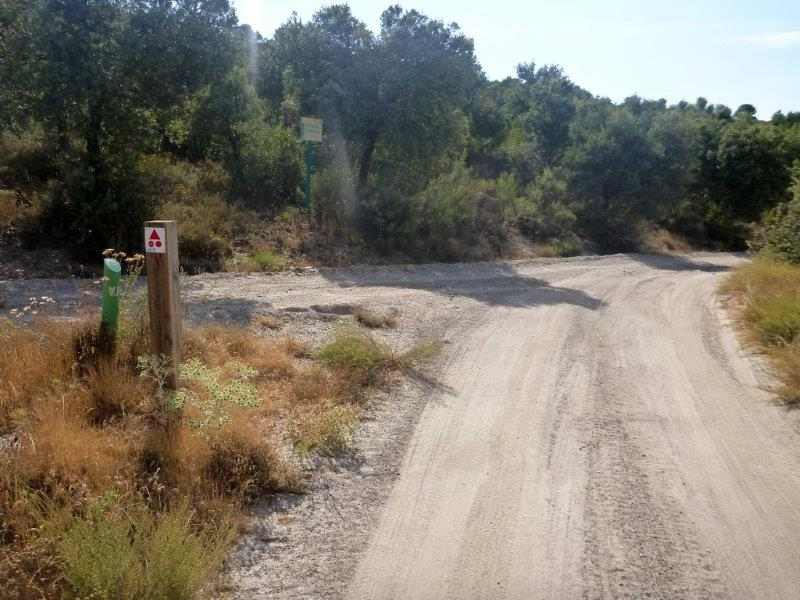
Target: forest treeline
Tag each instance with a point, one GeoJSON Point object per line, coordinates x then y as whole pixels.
{"type": "Point", "coordinates": [115, 111]}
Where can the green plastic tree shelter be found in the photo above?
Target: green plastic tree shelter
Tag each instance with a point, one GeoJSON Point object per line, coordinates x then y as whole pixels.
{"type": "Point", "coordinates": [112, 272]}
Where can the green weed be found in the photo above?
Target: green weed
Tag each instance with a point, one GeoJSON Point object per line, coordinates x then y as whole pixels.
{"type": "Point", "coordinates": [269, 261]}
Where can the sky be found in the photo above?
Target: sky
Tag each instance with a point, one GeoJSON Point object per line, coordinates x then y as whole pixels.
{"type": "Point", "coordinates": [731, 52]}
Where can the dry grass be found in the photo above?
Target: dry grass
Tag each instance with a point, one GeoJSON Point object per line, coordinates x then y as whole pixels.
{"type": "Point", "coordinates": [657, 240]}
{"type": "Point", "coordinates": [767, 294]}
{"type": "Point", "coordinates": [375, 320]}
{"type": "Point", "coordinates": [8, 208]}
{"type": "Point", "coordinates": [327, 429]}
{"type": "Point", "coordinates": [118, 489]}
{"type": "Point", "coordinates": [32, 361]}
{"type": "Point", "coordinates": [90, 426]}
{"type": "Point", "coordinates": [268, 322]}
{"type": "Point", "coordinates": [260, 261]}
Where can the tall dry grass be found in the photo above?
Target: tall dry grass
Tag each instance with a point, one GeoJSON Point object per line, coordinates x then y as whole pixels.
{"type": "Point", "coordinates": [767, 301]}
{"type": "Point", "coordinates": [112, 487]}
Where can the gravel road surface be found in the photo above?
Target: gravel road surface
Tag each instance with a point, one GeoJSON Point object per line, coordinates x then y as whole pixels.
{"type": "Point", "coordinates": [594, 431]}
{"type": "Point", "coordinates": [604, 437]}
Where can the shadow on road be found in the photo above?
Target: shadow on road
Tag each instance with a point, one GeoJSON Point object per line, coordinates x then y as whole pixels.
{"type": "Point", "coordinates": [221, 310]}
{"type": "Point", "coordinates": [677, 263]}
{"type": "Point", "coordinates": [493, 284]}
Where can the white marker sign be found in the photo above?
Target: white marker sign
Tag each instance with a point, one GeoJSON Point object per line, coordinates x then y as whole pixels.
{"type": "Point", "coordinates": [155, 240]}
{"type": "Point", "coordinates": [310, 129]}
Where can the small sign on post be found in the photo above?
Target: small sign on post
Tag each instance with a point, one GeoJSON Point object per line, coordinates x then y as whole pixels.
{"type": "Point", "coordinates": [311, 129]}
{"type": "Point", "coordinates": [163, 293]}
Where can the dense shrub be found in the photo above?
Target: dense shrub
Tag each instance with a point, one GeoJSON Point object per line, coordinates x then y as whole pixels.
{"type": "Point", "coordinates": [86, 213]}
{"type": "Point", "coordinates": [269, 173]}
{"type": "Point", "coordinates": [138, 556]}
{"type": "Point", "coordinates": [334, 199]}
{"type": "Point", "coordinates": [782, 228]}
{"type": "Point", "coordinates": [547, 215]}
{"type": "Point", "coordinates": [194, 196]}
{"type": "Point", "coordinates": [26, 162]}
{"type": "Point", "coordinates": [456, 217]}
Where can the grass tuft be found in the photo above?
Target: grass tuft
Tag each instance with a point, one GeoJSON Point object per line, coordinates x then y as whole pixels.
{"type": "Point", "coordinates": [138, 555]}
{"type": "Point", "coordinates": [327, 430]}
{"type": "Point", "coordinates": [375, 320]}
{"type": "Point", "coordinates": [357, 354]}
{"type": "Point", "coordinates": [268, 261]}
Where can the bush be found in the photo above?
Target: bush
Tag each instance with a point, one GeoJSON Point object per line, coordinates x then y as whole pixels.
{"type": "Point", "coordinates": [327, 430]}
{"type": "Point", "coordinates": [375, 320]}
{"type": "Point", "coordinates": [194, 196]}
{"type": "Point", "coordinates": [782, 228]}
{"type": "Point", "coordinates": [86, 214]}
{"type": "Point", "coordinates": [334, 200]}
{"type": "Point", "coordinates": [547, 216]}
{"type": "Point", "coordinates": [382, 215]}
{"type": "Point", "coordinates": [456, 217]}
{"type": "Point", "coordinates": [267, 260]}
{"type": "Point", "coordinates": [26, 163]}
{"type": "Point", "coordinates": [355, 352]}
{"type": "Point", "coordinates": [138, 556]}
{"type": "Point", "coordinates": [269, 173]}
{"type": "Point", "coordinates": [777, 319]}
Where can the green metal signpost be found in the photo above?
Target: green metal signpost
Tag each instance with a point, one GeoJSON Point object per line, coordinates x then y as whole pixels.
{"type": "Point", "coordinates": [111, 276]}
{"type": "Point", "coordinates": [310, 168]}
{"type": "Point", "coordinates": [310, 133]}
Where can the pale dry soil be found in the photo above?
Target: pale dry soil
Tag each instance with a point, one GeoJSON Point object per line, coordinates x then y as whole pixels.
{"type": "Point", "coordinates": [593, 429]}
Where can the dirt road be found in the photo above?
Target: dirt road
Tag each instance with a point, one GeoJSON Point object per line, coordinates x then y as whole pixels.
{"type": "Point", "coordinates": [597, 432]}
{"type": "Point", "coordinates": [604, 438]}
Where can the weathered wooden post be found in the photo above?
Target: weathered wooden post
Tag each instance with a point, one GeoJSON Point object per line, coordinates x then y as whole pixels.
{"type": "Point", "coordinates": [163, 292]}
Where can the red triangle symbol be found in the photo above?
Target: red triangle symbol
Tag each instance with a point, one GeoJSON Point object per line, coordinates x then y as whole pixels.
{"type": "Point", "coordinates": [154, 236]}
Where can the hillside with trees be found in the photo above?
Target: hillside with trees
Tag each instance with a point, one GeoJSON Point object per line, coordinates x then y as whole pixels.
{"type": "Point", "coordinates": [116, 111]}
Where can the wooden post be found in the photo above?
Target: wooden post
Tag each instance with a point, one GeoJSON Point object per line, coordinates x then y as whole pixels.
{"type": "Point", "coordinates": [163, 292]}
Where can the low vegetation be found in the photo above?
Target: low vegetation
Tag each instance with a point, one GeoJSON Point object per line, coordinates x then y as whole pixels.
{"type": "Point", "coordinates": [374, 319]}
{"type": "Point", "coordinates": [113, 487]}
{"type": "Point", "coordinates": [269, 261]}
{"type": "Point", "coordinates": [767, 294]}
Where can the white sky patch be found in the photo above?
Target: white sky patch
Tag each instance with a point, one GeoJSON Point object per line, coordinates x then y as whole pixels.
{"type": "Point", "coordinates": [781, 39]}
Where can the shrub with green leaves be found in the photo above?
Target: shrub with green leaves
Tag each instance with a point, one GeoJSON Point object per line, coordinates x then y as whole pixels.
{"type": "Point", "coordinates": [782, 227]}
{"type": "Point", "coordinates": [221, 388]}
{"type": "Point", "coordinates": [139, 556]}
{"type": "Point", "coordinates": [456, 217]}
{"type": "Point", "coordinates": [269, 261]}
{"type": "Point", "coordinates": [355, 351]}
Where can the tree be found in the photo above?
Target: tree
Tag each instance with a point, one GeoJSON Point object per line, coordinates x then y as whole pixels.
{"type": "Point", "coordinates": [264, 160]}
{"type": "Point", "coordinates": [400, 91]}
{"type": "Point", "coordinates": [746, 112]}
{"type": "Point", "coordinates": [104, 80]}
